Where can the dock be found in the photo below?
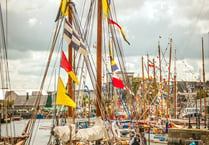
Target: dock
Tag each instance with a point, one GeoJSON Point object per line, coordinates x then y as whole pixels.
{"type": "Point", "coordinates": [181, 136]}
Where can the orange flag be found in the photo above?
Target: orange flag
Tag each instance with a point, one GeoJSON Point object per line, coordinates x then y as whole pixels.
{"type": "Point", "coordinates": [65, 65]}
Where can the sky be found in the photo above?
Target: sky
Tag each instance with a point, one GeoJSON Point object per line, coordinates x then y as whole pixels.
{"type": "Point", "coordinates": [31, 25]}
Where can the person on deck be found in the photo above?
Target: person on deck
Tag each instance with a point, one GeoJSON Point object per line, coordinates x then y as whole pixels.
{"type": "Point", "coordinates": [191, 142]}
{"type": "Point", "coordinates": [143, 139]}
{"type": "Point", "coordinates": [135, 140]}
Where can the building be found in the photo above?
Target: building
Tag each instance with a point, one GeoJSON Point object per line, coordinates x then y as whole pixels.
{"type": "Point", "coordinates": [25, 99]}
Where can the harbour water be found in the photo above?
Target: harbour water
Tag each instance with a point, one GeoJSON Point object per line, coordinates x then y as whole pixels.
{"type": "Point", "coordinates": [41, 131]}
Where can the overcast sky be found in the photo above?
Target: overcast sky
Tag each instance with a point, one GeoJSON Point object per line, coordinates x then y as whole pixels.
{"type": "Point", "coordinates": [31, 25]}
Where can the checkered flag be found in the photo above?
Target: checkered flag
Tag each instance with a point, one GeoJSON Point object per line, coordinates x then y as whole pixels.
{"type": "Point", "coordinates": [74, 39]}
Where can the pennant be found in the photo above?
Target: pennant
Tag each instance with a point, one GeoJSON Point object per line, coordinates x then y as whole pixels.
{"type": "Point", "coordinates": [63, 9]}
{"type": "Point", "coordinates": [72, 37]}
{"type": "Point", "coordinates": [62, 95]}
{"type": "Point", "coordinates": [106, 8]}
{"type": "Point", "coordinates": [113, 65]}
{"type": "Point", "coordinates": [121, 30]}
{"type": "Point", "coordinates": [65, 65]}
{"type": "Point", "coordinates": [117, 82]}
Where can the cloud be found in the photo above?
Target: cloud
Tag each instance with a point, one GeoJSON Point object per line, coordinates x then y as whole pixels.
{"type": "Point", "coordinates": [31, 26]}
{"type": "Point", "coordinates": [32, 22]}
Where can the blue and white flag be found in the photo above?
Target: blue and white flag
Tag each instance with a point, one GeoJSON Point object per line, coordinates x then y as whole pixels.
{"type": "Point", "coordinates": [72, 37]}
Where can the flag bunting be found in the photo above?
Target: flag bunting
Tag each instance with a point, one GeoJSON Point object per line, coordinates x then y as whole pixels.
{"type": "Point", "coordinates": [117, 82]}
{"type": "Point", "coordinates": [121, 30]}
{"type": "Point", "coordinates": [114, 66]}
{"type": "Point", "coordinates": [63, 97]}
{"type": "Point", "coordinates": [105, 7]}
{"type": "Point", "coordinates": [65, 65]}
{"type": "Point", "coordinates": [72, 37]}
{"type": "Point", "coordinates": [63, 9]}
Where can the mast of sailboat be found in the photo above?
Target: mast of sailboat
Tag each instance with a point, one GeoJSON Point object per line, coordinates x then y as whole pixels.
{"type": "Point", "coordinates": [203, 74]}
{"type": "Point", "coordinates": [159, 59]}
{"type": "Point", "coordinates": [169, 71]}
{"type": "Point", "coordinates": [99, 56]}
{"type": "Point", "coordinates": [148, 95]}
{"type": "Point", "coordinates": [70, 85]}
{"type": "Point", "coordinates": [143, 88]}
{"type": "Point", "coordinates": [70, 81]}
{"type": "Point", "coordinates": [174, 89]}
{"type": "Point", "coordinates": [155, 91]}
{"type": "Point", "coordinates": [200, 93]}
{"type": "Point", "coordinates": [159, 53]}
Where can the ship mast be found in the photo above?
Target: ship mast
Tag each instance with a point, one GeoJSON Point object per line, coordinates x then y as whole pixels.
{"type": "Point", "coordinates": [203, 74]}
{"type": "Point", "coordinates": [174, 90]}
{"type": "Point", "coordinates": [143, 88]}
{"type": "Point", "coordinates": [148, 95]}
{"type": "Point", "coordinates": [70, 81]}
{"type": "Point", "coordinates": [99, 56]}
{"type": "Point", "coordinates": [159, 53]}
{"type": "Point", "coordinates": [169, 71]}
{"type": "Point", "coordinates": [155, 91]}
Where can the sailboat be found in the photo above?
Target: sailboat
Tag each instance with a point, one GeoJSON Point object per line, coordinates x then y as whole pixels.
{"type": "Point", "coordinates": [79, 39]}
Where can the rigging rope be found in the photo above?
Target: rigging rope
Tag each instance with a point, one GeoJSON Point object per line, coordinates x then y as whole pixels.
{"type": "Point", "coordinates": [33, 119]}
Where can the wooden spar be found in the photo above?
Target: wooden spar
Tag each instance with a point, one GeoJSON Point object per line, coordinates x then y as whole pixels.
{"type": "Point", "coordinates": [143, 89]}
{"type": "Point", "coordinates": [159, 53]}
{"type": "Point", "coordinates": [70, 81]}
{"type": "Point", "coordinates": [174, 89]}
{"type": "Point", "coordinates": [200, 93]}
{"type": "Point", "coordinates": [154, 75]}
{"type": "Point", "coordinates": [148, 96]}
{"type": "Point", "coordinates": [71, 111]}
{"type": "Point", "coordinates": [203, 75]}
{"type": "Point", "coordinates": [169, 71]}
{"type": "Point", "coordinates": [99, 56]}
{"type": "Point", "coordinates": [139, 81]}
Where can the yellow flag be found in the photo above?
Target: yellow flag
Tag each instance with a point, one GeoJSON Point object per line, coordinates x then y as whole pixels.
{"type": "Point", "coordinates": [105, 7]}
{"type": "Point", "coordinates": [62, 95]}
{"type": "Point", "coordinates": [65, 7]}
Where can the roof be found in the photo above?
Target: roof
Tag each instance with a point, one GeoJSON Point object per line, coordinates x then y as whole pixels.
{"type": "Point", "coordinates": [21, 97]}
{"type": "Point", "coordinates": [22, 92]}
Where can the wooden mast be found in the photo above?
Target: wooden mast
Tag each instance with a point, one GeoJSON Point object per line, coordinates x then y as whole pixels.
{"type": "Point", "coordinates": [169, 71]}
{"type": "Point", "coordinates": [70, 81]}
{"type": "Point", "coordinates": [154, 75]}
{"type": "Point", "coordinates": [174, 89]}
{"type": "Point", "coordinates": [200, 93]}
{"type": "Point", "coordinates": [143, 89]}
{"type": "Point", "coordinates": [159, 53]}
{"type": "Point", "coordinates": [203, 74]}
{"type": "Point", "coordinates": [99, 56]}
{"type": "Point", "coordinates": [148, 95]}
